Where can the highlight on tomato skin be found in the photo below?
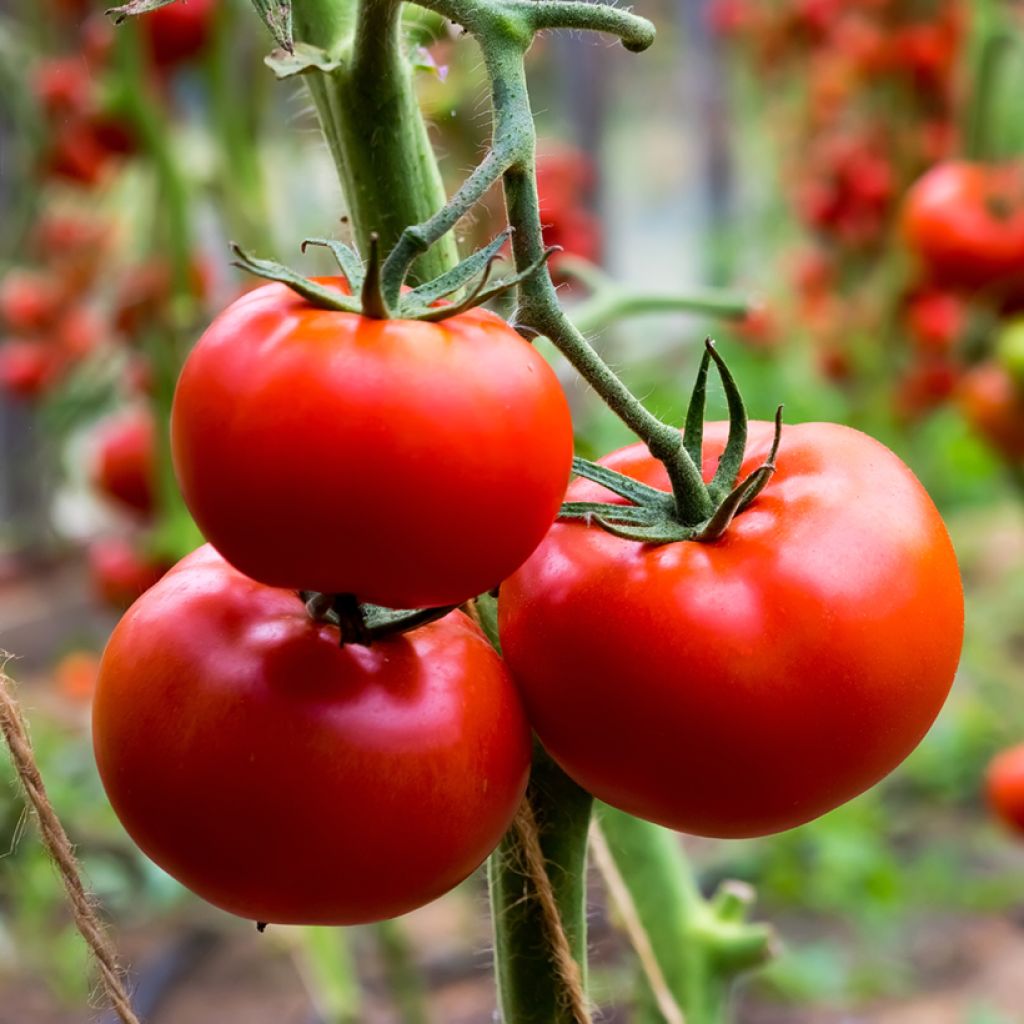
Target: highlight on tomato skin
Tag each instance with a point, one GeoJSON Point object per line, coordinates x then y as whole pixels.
{"type": "Point", "coordinates": [423, 464]}
{"type": "Point", "coordinates": [287, 779]}
{"type": "Point", "coordinates": [1004, 788]}
{"type": "Point", "coordinates": [745, 686]}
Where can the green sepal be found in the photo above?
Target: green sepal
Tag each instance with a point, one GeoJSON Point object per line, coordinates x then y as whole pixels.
{"type": "Point", "coordinates": [458, 276]}
{"type": "Point", "coordinates": [731, 460]}
{"type": "Point", "coordinates": [325, 298]}
{"type": "Point", "coordinates": [693, 433]}
{"type": "Point", "coordinates": [665, 531]}
{"type": "Point", "coordinates": [345, 256]}
{"type": "Point", "coordinates": [587, 510]}
{"type": "Point", "coordinates": [480, 294]}
{"type": "Point", "coordinates": [622, 485]}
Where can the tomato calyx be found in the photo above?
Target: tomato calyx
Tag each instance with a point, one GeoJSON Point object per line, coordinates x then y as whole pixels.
{"type": "Point", "coordinates": [661, 517]}
{"type": "Point", "coordinates": [362, 624]}
{"type": "Point", "coordinates": [376, 297]}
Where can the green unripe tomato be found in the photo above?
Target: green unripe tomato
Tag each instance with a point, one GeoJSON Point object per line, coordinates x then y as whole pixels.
{"type": "Point", "coordinates": [1010, 349]}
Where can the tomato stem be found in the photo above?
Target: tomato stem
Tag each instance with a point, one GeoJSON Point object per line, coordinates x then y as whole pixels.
{"type": "Point", "coordinates": [390, 178]}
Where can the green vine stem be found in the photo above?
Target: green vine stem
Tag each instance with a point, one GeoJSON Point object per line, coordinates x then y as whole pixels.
{"type": "Point", "coordinates": [373, 124]}
{"type": "Point", "coordinates": [530, 968]}
{"type": "Point", "coordinates": [701, 945]}
{"type": "Point", "coordinates": [609, 302]}
{"type": "Point", "coordinates": [505, 30]}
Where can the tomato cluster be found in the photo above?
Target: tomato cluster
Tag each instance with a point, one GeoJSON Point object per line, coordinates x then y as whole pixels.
{"type": "Point", "coordinates": [875, 104]}
{"type": "Point", "coordinates": [399, 462]}
{"type": "Point", "coordinates": [731, 687]}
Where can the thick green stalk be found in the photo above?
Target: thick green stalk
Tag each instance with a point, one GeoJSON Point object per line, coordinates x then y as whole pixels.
{"type": "Point", "coordinates": [373, 125]}
{"type": "Point", "coordinates": [530, 988]}
{"type": "Point", "coordinates": [700, 945]}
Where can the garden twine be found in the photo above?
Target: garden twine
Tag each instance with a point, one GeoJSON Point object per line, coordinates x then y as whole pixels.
{"type": "Point", "coordinates": [566, 967]}
{"type": "Point", "coordinates": [55, 839]}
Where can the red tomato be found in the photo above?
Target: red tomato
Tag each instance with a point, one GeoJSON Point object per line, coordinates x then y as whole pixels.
{"type": "Point", "coordinates": [27, 368]}
{"type": "Point", "coordinates": [994, 406]}
{"type": "Point", "coordinates": [1004, 784]}
{"type": "Point", "coordinates": [125, 466]}
{"type": "Point", "coordinates": [410, 463]}
{"type": "Point", "coordinates": [745, 686]}
{"type": "Point", "coordinates": [120, 572]}
{"type": "Point", "coordinates": [64, 86]}
{"type": "Point", "coordinates": [287, 779]}
{"type": "Point", "coordinates": [29, 300]}
{"type": "Point", "coordinates": [179, 31]}
{"type": "Point", "coordinates": [935, 320]}
{"type": "Point", "coordinates": [965, 224]}
{"type": "Point", "coordinates": [77, 154]}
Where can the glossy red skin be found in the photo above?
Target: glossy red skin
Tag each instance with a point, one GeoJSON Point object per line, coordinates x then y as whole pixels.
{"type": "Point", "coordinates": [1004, 787]}
{"type": "Point", "coordinates": [284, 778]}
{"type": "Point", "coordinates": [120, 572]}
{"type": "Point", "coordinates": [125, 466]}
{"type": "Point", "coordinates": [745, 686]}
{"type": "Point", "coordinates": [960, 240]}
{"type": "Point", "coordinates": [412, 464]}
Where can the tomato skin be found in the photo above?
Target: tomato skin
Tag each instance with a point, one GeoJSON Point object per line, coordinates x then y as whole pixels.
{"type": "Point", "coordinates": [412, 464]}
{"type": "Point", "coordinates": [951, 220]}
{"type": "Point", "coordinates": [125, 466]}
{"type": "Point", "coordinates": [286, 779]}
{"type": "Point", "coordinates": [1004, 787]}
{"type": "Point", "coordinates": [745, 686]}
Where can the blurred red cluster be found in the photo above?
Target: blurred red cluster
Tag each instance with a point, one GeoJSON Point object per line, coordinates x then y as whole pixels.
{"type": "Point", "coordinates": [77, 299]}
{"type": "Point", "coordinates": [872, 94]}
